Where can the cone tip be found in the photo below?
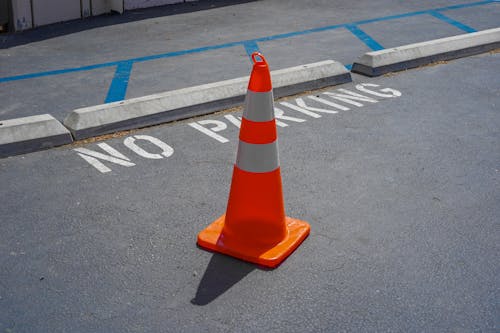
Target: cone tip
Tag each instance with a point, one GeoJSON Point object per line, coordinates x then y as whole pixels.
{"type": "Point", "coordinates": [260, 79]}
{"type": "Point", "coordinates": [258, 59]}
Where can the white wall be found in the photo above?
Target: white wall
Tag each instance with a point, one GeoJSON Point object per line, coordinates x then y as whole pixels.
{"type": "Point", "coordinates": [52, 11]}
{"type": "Point", "coordinates": [105, 6]}
{"type": "Point", "coordinates": [21, 14]}
{"type": "Point", "coordinates": [86, 10]}
{"type": "Point", "coordinates": [132, 4]}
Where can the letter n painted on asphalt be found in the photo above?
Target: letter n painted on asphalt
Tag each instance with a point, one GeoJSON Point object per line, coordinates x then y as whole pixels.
{"type": "Point", "coordinates": [94, 157]}
{"type": "Point", "coordinates": [350, 97]}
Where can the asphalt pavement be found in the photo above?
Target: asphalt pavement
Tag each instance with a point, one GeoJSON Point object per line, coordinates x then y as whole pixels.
{"type": "Point", "coordinates": [401, 191]}
{"type": "Point", "coordinates": [59, 68]}
{"type": "Point", "coordinates": [398, 176]}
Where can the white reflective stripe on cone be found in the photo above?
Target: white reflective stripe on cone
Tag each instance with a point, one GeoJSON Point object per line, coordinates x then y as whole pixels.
{"type": "Point", "coordinates": [259, 106]}
{"type": "Point", "coordinates": [257, 157]}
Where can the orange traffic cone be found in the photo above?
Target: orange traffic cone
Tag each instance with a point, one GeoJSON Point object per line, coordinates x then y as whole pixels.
{"type": "Point", "coordinates": [255, 227]}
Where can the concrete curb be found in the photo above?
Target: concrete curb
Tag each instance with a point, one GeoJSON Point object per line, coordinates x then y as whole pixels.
{"type": "Point", "coordinates": [413, 55]}
{"type": "Point", "coordinates": [198, 100]}
{"type": "Point", "coordinates": [29, 134]}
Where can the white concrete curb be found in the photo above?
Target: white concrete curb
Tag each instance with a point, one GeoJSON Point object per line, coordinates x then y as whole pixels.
{"type": "Point", "coordinates": [413, 55]}
{"type": "Point", "coordinates": [198, 100]}
{"type": "Point", "coordinates": [28, 134]}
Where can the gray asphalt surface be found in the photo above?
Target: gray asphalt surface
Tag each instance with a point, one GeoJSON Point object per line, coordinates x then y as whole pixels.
{"type": "Point", "coordinates": [402, 197]}
{"type": "Point", "coordinates": [189, 49]}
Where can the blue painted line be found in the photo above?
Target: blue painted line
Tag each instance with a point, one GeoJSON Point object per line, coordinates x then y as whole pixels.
{"type": "Point", "coordinates": [58, 72]}
{"type": "Point", "coordinates": [118, 88]}
{"type": "Point", "coordinates": [391, 17]}
{"type": "Point", "coordinates": [451, 21]}
{"type": "Point", "coordinates": [251, 46]}
{"type": "Point", "coordinates": [364, 37]}
{"type": "Point", "coordinates": [466, 5]}
{"type": "Point", "coordinates": [184, 52]}
{"type": "Point", "coordinates": [298, 33]}
{"type": "Point", "coordinates": [116, 63]}
{"type": "Point", "coordinates": [240, 43]}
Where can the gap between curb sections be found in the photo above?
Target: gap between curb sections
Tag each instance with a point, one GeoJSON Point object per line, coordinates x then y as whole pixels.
{"type": "Point", "coordinates": [30, 134]}
{"type": "Point", "coordinates": [34, 133]}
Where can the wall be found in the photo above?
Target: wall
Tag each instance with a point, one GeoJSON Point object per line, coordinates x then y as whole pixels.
{"type": "Point", "coordinates": [52, 11]}
{"type": "Point", "coordinates": [105, 6]}
{"type": "Point", "coordinates": [21, 15]}
{"type": "Point", "coordinates": [4, 12]}
{"type": "Point", "coordinates": [86, 9]}
{"type": "Point", "coordinates": [133, 4]}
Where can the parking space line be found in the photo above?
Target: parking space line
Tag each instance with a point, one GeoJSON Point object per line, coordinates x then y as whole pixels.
{"type": "Point", "coordinates": [364, 37]}
{"type": "Point", "coordinates": [451, 21]}
{"type": "Point", "coordinates": [118, 88]}
{"type": "Point", "coordinates": [251, 47]}
{"type": "Point", "coordinates": [116, 63]}
{"type": "Point", "coordinates": [57, 72]}
{"type": "Point", "coordinates": [119, 84]}
{"type": "Point", "coordinates": [466, 5]}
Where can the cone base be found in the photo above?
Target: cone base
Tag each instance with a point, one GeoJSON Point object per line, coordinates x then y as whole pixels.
{"type": "Point", "coordinates": [212, 238]}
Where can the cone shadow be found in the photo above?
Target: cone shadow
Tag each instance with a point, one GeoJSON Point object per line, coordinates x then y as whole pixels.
{"type": "Point", "coordinates": [221, 274]}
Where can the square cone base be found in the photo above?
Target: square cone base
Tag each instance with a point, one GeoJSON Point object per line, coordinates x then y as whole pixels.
{"type": "Point", "coordinates": [210, 238]}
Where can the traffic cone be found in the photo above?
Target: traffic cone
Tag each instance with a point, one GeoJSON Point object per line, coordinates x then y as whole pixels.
{"type": "Point", "coordinates": [255, 227]}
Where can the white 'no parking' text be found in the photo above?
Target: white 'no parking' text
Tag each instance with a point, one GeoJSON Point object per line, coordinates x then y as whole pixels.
{"type": "Point", "coordinates": [331, 102]}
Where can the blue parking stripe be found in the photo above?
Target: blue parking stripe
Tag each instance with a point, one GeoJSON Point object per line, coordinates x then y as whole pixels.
{"type": "Point", "coordinates": [364, 37]}
{"type": "Point", "coordinates": [451, 21]}
{"type": "Point", "coordinates": [466, 5]}
{"type": "Point", "coordinates": [391, 17]}
{"type": "Point", "coordinates": [185, 52]}
{"type": "Point", "coordinates": [299, 33]}
{"type": "Point", "coordinates": [58, 72]}
{"type": "Point", "coordinates": [353, 27]}
{"type": "Point", "coordinates": [118, 88]}
{"type": "Point", "coordinates": [251, 47]}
